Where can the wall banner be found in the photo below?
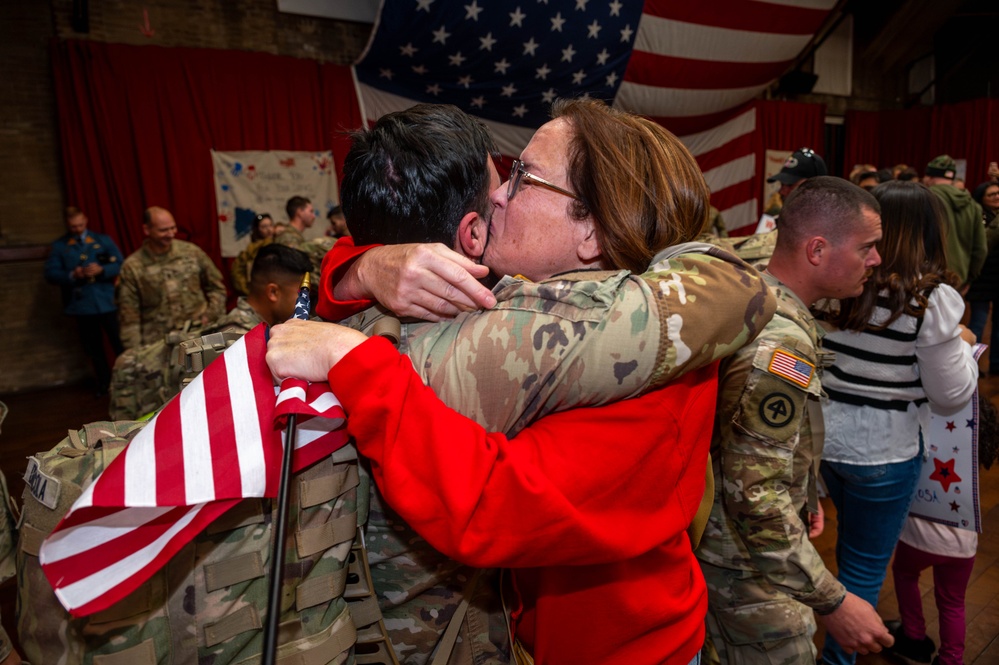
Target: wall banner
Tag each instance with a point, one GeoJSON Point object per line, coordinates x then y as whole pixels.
{"type": "Point", "coordinates": [262, 181]}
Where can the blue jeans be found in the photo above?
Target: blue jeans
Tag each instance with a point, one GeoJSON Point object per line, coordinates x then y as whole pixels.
{"type": "Point", "coordinates": [871, 504]}
{"type": "Point", "coordinates": [979, 315]}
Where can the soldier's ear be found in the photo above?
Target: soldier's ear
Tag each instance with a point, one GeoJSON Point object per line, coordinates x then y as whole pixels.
{"type": "Point", "coordinates": [472, 232]}
{"type": "Point", "coordinates": [816, 249]}
{"type": "Point", "coordinates": [273, 292]}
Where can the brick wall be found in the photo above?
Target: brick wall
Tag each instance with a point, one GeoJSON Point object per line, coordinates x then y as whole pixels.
{"type": "Point", "coordinates": [39, 344]}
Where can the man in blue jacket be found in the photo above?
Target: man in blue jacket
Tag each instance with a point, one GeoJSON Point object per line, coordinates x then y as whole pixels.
{"type": "Point", "coordinates": [85, 264]}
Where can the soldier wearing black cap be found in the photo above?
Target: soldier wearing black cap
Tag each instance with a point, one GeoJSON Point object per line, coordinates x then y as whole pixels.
{"type": "Point", "coordinates": [801, 165]}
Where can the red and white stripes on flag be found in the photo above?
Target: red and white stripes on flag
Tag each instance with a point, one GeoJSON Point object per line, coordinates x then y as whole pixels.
{"type": "Point", "coordinates": [219, 441]}
{"type": "Point", "coordinates": [693, 67]}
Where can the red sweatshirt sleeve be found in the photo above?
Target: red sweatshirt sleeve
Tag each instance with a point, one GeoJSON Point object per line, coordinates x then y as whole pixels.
{"type": "Point", "coordinates": [336, 262]}
{"type": "Point", "coordinates": [584, 486]}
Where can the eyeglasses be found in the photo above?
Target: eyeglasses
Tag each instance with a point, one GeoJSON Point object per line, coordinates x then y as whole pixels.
{"type": "Point", "coordinates": [519, 173]}
{"type": "Point", "coordinates": [991, 194]}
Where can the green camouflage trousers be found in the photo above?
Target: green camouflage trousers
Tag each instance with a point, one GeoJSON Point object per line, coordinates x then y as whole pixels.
{"type": "Point", "coordinates": [727, 641]}
{"type": "Point", "coordinates": [750, 622]}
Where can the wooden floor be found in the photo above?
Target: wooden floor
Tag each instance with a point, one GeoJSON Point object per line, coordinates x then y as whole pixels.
{"type": "Point", "coordinates": [38, 420]}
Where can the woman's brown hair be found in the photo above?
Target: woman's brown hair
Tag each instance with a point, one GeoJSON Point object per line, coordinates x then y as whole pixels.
{"type": "Point", "coordinates": [913, 258]}
{"type": "Point", "coordinates": [641, 185]}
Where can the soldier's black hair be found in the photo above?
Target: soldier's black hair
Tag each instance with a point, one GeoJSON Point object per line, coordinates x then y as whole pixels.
{"type": "Point", "coordinates": [295, 204]}
{"type": "Point", "coordinates": [415, 174]}
{"type": "Point", "coordinates": [278, 263]}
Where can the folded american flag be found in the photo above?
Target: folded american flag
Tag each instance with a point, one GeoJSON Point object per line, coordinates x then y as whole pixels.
{"type": "Point", "coordinates": [214, 444]}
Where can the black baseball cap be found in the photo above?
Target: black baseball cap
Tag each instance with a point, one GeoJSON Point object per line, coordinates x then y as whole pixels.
{"type": "Point", "coordinates": [803, 163]}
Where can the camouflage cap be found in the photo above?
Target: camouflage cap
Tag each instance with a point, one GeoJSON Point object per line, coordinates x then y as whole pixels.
{"type": "Point", "coordinates": [942, 166]}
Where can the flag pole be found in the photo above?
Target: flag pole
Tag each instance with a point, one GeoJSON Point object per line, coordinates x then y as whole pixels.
{"type": "Point", "coordinates": [281, 523]}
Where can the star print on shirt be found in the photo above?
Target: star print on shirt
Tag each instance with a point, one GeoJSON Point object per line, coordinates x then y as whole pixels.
{"type": "Point", "coordinates": [971, 423]}
{"type": "Point", "coordinates": [944, 473]}
{"type": "Point", "coordinates": [955, 506]}
{"type": "Point", "coordinates": [950, 425]}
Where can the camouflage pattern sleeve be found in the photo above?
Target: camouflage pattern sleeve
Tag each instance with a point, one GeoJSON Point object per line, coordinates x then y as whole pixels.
{"type": "Point", "coordinates": [590, 338]}
{"type": "Point", "coordinates": [760, 416]}
{"type": "Point", "coordinates": [8, 543]}
{"type": "Point", "coordinates": [710, 305]}
{"type": "Point", "coordinates": [129, 305]}
{"type": "Point", "coordinates": [239, 272]}
{"type": "Point", "coordinates": [755, 249]}
{"type": "Point", "coordinates": [580, 339]}
{"type": "Point", "coordinates": [214, 287]}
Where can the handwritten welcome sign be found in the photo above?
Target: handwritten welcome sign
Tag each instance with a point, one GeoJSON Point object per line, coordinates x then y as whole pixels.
{"type": "Point", "coordinates": [261, 181]}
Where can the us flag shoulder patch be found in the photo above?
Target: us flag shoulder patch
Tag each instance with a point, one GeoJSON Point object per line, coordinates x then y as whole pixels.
{"type": "Point", "coordinates": [794, 369]}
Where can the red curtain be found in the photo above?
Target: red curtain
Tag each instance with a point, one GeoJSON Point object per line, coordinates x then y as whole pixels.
{"type": "Point", "coordinates": [137, 124]}
{"type": "Point", "coordinates": [789, 125]}
{"type": "Point", "coordinates": [781, 125]}
{"type": "Point", "coordinates": [967, 130]}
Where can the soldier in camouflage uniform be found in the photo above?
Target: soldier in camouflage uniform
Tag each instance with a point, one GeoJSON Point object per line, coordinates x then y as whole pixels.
{"type": "Point", "coordinates": [166, 284]}
{"type": "Point", "coordinates": [764, 576]}
{"type": "Point", "coordinates": [755, 249]}
{"type": "Point", "coordinates": [145, 378]}
{"type": "Point", "coordinates": [301, 216]}
{"type": "Point", "coordinates": [574, 343]}
{"type": "Point", "coordinates": [8, 545]}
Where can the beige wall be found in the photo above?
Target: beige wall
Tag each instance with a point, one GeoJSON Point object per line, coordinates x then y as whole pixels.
{"type": "Point", "coordinates": [39, 346]}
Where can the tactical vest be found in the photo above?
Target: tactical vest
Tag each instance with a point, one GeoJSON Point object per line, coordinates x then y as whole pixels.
{"type": "Point", "coordinates": [209, 602]}
{"type": "Point", "coordinates": [146, 377]}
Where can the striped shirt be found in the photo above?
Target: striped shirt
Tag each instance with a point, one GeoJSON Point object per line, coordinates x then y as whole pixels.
{"type": "Point", "coordinates": [883, 382]}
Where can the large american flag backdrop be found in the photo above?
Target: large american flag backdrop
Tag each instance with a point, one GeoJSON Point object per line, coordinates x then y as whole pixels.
{"type": "Point", "coordinates": [691, 66]}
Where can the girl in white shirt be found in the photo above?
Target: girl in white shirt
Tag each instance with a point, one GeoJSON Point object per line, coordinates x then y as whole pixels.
{"type": "Point", "coordinates": [899, 348]}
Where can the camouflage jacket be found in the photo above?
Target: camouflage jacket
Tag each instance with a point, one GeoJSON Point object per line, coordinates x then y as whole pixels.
{"type": "Point", "coordinates": [583, 338]}
{"type": "Point", "coordinates": [146, 377]}
{"type": "Point", "coordinates": [755, 552]}
{"type": "Point", "coordinates": [242, 316]}
{"type": "Point", "coordinates": [291, 237]}
{"type": "Point", "coordinates": [239, 272]}
{"type": "Point", "coordinates": [159, 293]}
{"type": "Point", "coordinates": [755, 249]}
{"type": "Point", "coordinates": [8, 542]}
{"type": "Point", "coordinates": [315, 249]}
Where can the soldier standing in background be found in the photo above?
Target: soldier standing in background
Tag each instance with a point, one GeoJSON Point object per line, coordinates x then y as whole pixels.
{"type": "Point", "coordinates": [146, 377]}
{"type": "Point", "coordinates": [166, 284]}
{"type": "Point", "coordinates": [301, 216]}
{"type": "Point", "coordinates": [85, 264]}
{"type": "Point", "coordinates": [764, 575]}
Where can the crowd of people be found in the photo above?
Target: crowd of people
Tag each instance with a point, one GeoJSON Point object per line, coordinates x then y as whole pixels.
{"type": "Point", "coordinates": [629, 421]}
